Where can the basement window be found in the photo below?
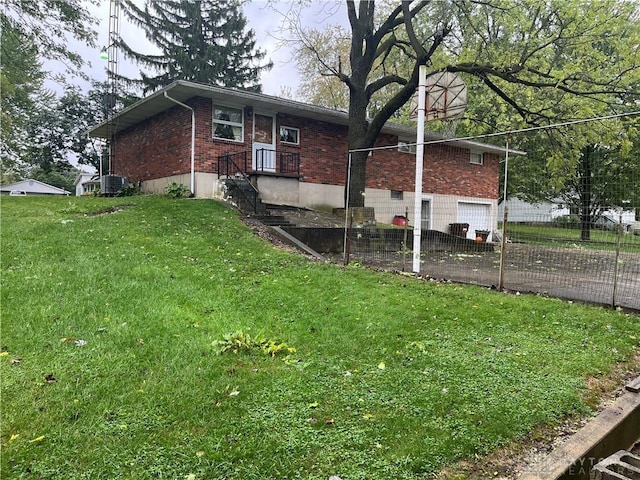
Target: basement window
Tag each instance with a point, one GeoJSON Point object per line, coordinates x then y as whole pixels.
{"type": "Point", "coordinates": [397, 194]}
{"type": "Point", "coordinates": [228, 123]}
{"type": "Point", "coordinates": [477, 158]}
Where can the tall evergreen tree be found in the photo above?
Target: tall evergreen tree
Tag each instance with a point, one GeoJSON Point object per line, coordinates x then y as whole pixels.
{"type": "Point", "coordinates": [203, 41]}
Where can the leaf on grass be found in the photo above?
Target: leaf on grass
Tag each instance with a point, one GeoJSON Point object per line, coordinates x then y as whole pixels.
{"type": "Point", "coordinates": [381, 366]}
{"type": "Point", "coordinates": [329, 421]}
{"type": "Point", "coordinates": [14, 437]}
{"type": "Point", "coordinates": [4, 354]}
{"type": "Point", "coordinates": [37, 439]}
{"type": "Point", "coordinates": [235, 393]}
{"type": "Point", "coordinates": [313, 405]}
{"type": "Point", "coordinates": [199, 453]}
{"type": "Point", "coordinates": [15, 361]}
{"type": "Point", "coordinates": [67, 339]}
{"type": "Point", "coordinates": [367, 416]}
{"type": "Point", "coordinates": [80, 343]}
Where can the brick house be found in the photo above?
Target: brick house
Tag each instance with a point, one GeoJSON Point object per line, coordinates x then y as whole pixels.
{"type": "Point", "coordinates": [295, 154]}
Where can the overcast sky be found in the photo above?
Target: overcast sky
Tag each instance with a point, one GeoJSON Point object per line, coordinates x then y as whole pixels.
{"type": "Point", "coordinates": [261, 17]}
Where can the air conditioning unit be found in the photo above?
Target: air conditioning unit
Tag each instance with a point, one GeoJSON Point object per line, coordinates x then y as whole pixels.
{"type": "Point", "coordinates": [112, 184]}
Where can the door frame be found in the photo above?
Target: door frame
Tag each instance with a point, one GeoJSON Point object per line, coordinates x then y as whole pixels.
{"type": "Point", "coordinates": [258, 145]}
{"type": "Point", "coordinates": [427, 198]}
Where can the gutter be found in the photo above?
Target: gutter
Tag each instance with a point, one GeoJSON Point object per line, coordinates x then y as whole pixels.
{"type": "Point", "coordinates": [193, 140]}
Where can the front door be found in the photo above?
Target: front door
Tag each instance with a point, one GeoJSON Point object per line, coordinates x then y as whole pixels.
{"type": "Point", "coordinates": [264, 143]}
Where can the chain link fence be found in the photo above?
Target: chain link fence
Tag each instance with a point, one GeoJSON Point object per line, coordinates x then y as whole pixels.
{"type": "Point", "coordinates": [568, 225]}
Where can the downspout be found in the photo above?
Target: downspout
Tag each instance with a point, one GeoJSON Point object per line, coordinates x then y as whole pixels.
{"type": "Point", "coordinates": [193, 141]}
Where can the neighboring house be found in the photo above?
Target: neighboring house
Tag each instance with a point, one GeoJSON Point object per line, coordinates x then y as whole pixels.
{"type": "Point", "coordinates": [32, 187]}
{"type": "Point", "coordinates": [295, 154]}
{"type": "Point", "coordinates": [545, 211]}
{"type": "Point", "coordinates": [87, 183]}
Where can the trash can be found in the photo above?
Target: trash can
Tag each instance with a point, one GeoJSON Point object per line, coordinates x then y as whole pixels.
{"type": "Point", "coordinates": [400, 221]}
{"type": "Point", "coordinates": [459, 229]}
{"type": "Point", "coordinates": [482, 235]}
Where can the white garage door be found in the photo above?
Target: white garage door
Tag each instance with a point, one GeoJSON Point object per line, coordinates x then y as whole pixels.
{"type": "Point", "coordinates": [477, 215]}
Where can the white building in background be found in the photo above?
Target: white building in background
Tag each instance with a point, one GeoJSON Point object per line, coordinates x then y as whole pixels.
{"type": "Point", "coordinates": [87, 183]}
{"type": "Point", "coordinates": [32, 187]}
{"type": "Point", "coordinates": [546, 211]}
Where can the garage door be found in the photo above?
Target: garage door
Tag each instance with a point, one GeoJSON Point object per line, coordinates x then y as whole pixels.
{"type": "Point", "coordinates": [477, 215]}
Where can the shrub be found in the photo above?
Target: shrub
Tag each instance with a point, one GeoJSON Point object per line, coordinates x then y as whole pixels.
{"type": "Point", "coordinates": [177, 190]}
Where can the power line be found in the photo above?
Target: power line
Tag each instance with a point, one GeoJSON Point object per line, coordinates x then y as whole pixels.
{"type": "Point", "coordinates": [507, 132]}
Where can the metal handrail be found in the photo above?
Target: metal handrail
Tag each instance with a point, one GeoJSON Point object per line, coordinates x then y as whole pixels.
{"type": "Point", "coordinates": [227, 160]}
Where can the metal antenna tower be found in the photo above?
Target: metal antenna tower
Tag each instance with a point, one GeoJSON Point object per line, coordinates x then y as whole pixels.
{"type": "Point", "coordinates": [111, 96]}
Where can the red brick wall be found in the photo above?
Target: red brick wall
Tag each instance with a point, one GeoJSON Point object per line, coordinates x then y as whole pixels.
{"type": "Point", "coordinates": [447, 170]}
{"type": "Point", "coordinates": [157, 148]}
{"type": "Point", "coordinates": [323, 149]}
{"type": "Point", "coordinates": [161, 147]}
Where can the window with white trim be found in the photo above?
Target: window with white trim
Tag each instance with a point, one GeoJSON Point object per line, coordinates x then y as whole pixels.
{"type": "Point", "coordinates": [290, 135]}
{"type": "Point", "coordinates": [476, 158]}
{"type": "Point", "coordinates": [228, 123]}
{"type": "Point", "coordinates": [397, 194]}
{"type": "Point", "coordinates": [406, 146]}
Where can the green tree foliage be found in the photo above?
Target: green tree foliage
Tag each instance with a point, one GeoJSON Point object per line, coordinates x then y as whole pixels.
{"type": "Point", "coordinates": [57, 132]}
{"type": "Point", "coordinates": [203, 41]}
{"type": "Point", "coordinates": [50, 24]}
{"type": "Point", "coordinates": [31, 32]}
{"type": "Point", "coordinates": [526, 62]}
{"type": "Point", "coordinates": [21, 80]}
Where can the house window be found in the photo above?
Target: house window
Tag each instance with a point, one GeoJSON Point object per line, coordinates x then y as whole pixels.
{"type": "Point", "coordinates": [406, 146]}
{"type": "Point", "coordinates": [290, 135]}
{"type": "Point", "coordinates": [228, 123]}
{"type": "Point", "coordinates": [477, 158]}
{"type": "Point", "coordinates": [396, 194]}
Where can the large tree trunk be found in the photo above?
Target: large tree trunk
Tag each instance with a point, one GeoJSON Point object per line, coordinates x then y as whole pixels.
{"type": "Point", "coordinates": [358, 139]}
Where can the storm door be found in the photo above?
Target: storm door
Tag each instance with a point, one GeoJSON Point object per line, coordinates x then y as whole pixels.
{"type": "Point", "coordinates": [264, 143]}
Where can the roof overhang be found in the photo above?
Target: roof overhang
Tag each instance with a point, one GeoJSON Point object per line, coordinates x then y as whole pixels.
{"type": "Point", "coordinates": [182, 91]}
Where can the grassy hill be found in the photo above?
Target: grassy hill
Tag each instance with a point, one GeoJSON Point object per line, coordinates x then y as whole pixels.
{"type": "Point", "coordinates": [146, 337]}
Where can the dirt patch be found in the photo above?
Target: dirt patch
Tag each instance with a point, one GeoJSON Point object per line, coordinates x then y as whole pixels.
{"type": "Point", "coordinates": [309, 218]}
{"type": "Point", "coordinates": [107, 211]}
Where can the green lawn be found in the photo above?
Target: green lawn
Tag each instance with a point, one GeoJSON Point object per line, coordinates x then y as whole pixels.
{"type": "Point", "coordinates": [562, 236]}
{"type": "Point", "coordinates": [111, 365]}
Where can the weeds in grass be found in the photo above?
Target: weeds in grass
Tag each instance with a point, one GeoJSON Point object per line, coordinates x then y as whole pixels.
{"type": "Point", "coordinates": [243, 342]}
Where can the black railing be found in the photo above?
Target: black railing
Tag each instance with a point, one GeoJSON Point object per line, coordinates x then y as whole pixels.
{"type": "Point", "coordinates": [289, 163]}
{"type": "Point", "coordinates": [232, 164]}
{"type": "Point", "coordinates": [266, 160]}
